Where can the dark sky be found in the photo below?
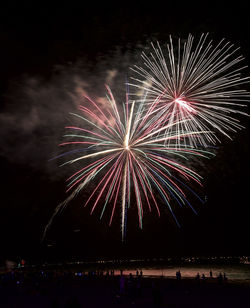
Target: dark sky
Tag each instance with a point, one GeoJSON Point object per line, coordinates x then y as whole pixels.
{"type": "Point", "coordinates": [48, 54]}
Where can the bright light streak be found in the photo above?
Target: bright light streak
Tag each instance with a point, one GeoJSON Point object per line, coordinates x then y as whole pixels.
{"type": "Point", "coordinates": [126, 156]}
{"type": "Point", "coordinates": [184, 104]}
{"type": "Point", "coordinates": [201, 82]}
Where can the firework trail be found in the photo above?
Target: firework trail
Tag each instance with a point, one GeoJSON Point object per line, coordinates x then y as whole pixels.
{"type": "Point", "coordinates": [125, 153]}
{"type": "Point", "coordinates": [199, 82]}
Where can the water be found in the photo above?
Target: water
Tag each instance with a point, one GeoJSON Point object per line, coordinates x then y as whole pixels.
{"type": "Point", "coordinates": [241, 271]}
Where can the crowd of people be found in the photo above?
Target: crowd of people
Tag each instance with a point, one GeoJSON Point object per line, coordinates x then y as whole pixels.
{"type": "Point", "coordinates": [127, 286]}
{"type": "Point", "coordinates": [220, 277]}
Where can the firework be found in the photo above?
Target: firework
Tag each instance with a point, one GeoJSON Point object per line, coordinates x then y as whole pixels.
{"type": "Point", "coordinates": [126, 156]}
{"type": "Point", "coordinates": [200, 82]}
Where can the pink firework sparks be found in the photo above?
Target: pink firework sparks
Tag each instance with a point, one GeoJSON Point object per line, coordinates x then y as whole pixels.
{"type": "Point", "coordinates": [125, 155]}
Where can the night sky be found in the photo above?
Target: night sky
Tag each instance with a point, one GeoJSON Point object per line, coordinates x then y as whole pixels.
{"type": "Point", "coordinates": [49, 56]}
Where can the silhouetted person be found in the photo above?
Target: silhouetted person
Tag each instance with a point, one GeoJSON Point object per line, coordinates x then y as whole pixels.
{"type": "Point", "coordinates": [178, 275]}
{"type": "Point", "coordinates": [224, 277]}
{"type": "Point", "coordinates": [220, 278]}
{"type": "Point", "coordinates": [211, 274]}
{"type": "Point", "coordinates": [198, 276]}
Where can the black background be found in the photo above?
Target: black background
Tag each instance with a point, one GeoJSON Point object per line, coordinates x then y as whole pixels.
{"type": "Point", "coordinates": [35, 37]}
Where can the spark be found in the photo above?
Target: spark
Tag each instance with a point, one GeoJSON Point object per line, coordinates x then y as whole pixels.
{"type": "Point", "coordinates": [184, 104]}
{"type": "Point", "coordinates": [125, 155]}
{"type": "Point", "coordinates": [201, 82]}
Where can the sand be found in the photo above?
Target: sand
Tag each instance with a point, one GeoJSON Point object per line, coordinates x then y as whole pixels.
{"type": "Point", "coordinates": [89, 292]}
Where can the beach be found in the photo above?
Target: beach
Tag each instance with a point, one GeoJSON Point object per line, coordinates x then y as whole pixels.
{"type": "Point", "coordinates": [70, 290]}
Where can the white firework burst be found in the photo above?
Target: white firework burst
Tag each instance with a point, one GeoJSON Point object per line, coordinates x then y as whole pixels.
{"type": "Point", "coordinates": [200, 82]}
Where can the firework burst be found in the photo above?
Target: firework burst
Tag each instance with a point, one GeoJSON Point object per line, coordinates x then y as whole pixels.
{"type": "Point", "coordinates": [200, 82]}
{"type": "Point", "coordinates": [125, 154]}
